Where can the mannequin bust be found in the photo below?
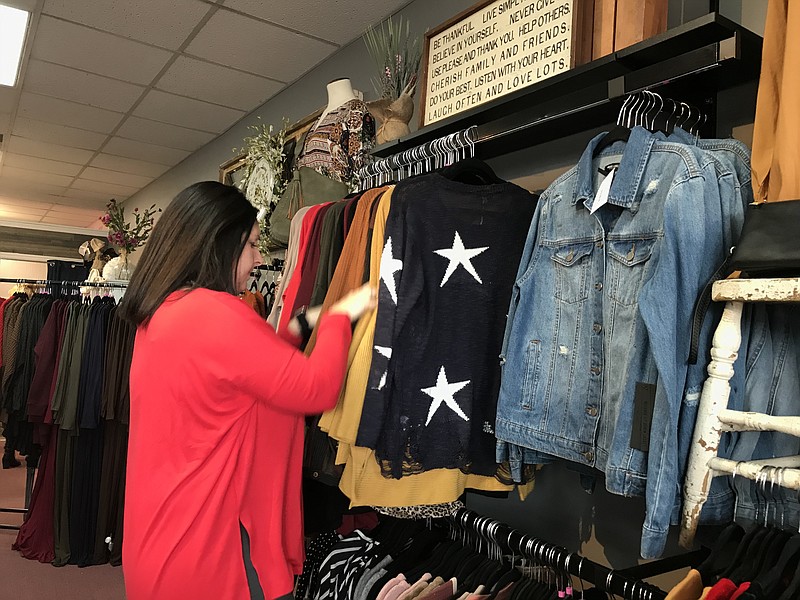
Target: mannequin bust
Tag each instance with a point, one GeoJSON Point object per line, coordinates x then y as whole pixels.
{"type": "Point", "coordinates": [340, 91]}
{"type": "Point", "coordinates": [342, 136]}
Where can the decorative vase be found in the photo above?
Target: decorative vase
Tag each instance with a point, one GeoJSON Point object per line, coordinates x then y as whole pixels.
{"type": "Point", "coordinates": [118, 268]}
{"type": "Point", "coordinates": [125, 268]}
{"type": "Point", "coordinates": [392, 116]}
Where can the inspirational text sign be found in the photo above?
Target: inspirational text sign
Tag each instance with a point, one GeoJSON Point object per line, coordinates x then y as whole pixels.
{"type": "Point", "coordinates": [494, 49]}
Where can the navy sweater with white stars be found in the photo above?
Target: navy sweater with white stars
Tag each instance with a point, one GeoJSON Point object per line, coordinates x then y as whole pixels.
{"type": "Point", "coordinates": [450, 257]}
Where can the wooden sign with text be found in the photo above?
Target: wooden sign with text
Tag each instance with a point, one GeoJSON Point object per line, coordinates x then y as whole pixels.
{"type": "Point", "coordinates": [498, 47]}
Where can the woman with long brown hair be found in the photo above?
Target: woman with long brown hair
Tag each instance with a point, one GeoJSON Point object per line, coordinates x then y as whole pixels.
{"type": "Point", "coordinates": [213, 498]}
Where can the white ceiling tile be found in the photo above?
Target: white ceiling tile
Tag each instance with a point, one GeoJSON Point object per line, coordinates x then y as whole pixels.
{"type": "Point", "coordinates": [152, 132]}
{"type": "Point", "coordinates": [186, 112]}
{"type": "Point", "coordinates": [75, 211]}
{"type": "Point", "coordinates": [16, 203]}
{"type": "Point", "coordinates": [35, 177]}
{"type": "Point", "coordinates": [19, 216]}
{"type": "Point", "coordinates": [142, 151]}
{"type": "Point", "coordinates": [21, 145]}
{"type": "Point", "coordinates": [8, 98]}
{"type": "Point", "coordinates": [214, 83]}
{"type": "Point", "coordinates": [78, 86]}
{"type": "Point", "coordinates": [339, 21]}
{"type": "Point", "coordinates": [31, 163]}
{"type": "Point", "coordinates": [5, 208]}
{"type": "Point", "coordinates": [72, 114]}
{"type": "Point", "coordinates": [79, 197]}
{"type": "Point", "coordinates": [85, 199]}
{"type": "Point", "coordinates": [111, 190]}
{"type": "Point", "coordinates": [30, 189]}
{"type": "Point", "coordinates": [50, 132]}
{"type": "Point", "coordinates": [66, 220]}
{"type": "Point", "coordinates": [84, 48]}
{"type": "Point", "coordinates": [257, 47]}
{"type": "Point", "coordinates": [128, 165]}
{"type": "Point", "coordinates": [165, 24]}
{"type": "Point", "coordinates": [95, 174]}
{"type": "Point", "coordinates": [5, 121]}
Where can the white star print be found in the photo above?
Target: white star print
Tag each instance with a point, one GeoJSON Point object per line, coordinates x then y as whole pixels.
{"type": "Point", "coordinates": [459, 255]}
{"type": "Point", "coordinates": [386, 353]}
{"type": "Point", "coordinates": [390, 266]}
{"type": "Point", "coordinates": [444, 392]}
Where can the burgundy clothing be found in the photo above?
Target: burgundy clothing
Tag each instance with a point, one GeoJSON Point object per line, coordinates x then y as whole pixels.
{"type": "Point", "coordinates": [46, 353]}
{"type": "Point", "coordinates": [35, 538]}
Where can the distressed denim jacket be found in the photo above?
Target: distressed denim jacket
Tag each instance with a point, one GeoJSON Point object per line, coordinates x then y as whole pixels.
{"type": "Point", "coordinates": [603, 302]}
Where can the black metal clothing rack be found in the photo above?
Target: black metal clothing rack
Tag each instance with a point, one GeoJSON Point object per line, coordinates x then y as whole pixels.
{"type": "Point", "coordinates": [77, 284]}
{"type": "Point", "coordinates": [31, 471]}
{"type": "Point", "coordinates": [626, 583]}
{"type": "Point", "coordinates": [694, 62]}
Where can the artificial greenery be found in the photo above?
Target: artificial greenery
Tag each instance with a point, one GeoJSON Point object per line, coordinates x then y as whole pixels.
{"type": "Point", "coordinates": [263, 181]}
{"type": "Point", "coordinates": [396, 54]}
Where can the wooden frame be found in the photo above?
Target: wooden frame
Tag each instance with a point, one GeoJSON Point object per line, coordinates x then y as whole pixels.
{"type": "Point", "coordinates": [580, 47]}
{"type": "Point", "coordinates": [230, 172]}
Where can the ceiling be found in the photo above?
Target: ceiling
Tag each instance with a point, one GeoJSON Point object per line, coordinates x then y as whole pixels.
{"type": "Point", "coordinates": [113, 93]}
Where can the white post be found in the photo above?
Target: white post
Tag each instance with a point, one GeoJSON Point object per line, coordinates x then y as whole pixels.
{"type": "Point", "coordinates": [708, 429]}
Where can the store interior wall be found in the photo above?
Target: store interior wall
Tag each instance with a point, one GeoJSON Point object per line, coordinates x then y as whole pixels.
{"type": "Point", "coordinates": [301, 98]}
{"type": "Point", "coordinates": [604, 527]}
{"type": "Point", "coordinates": [20, 269]}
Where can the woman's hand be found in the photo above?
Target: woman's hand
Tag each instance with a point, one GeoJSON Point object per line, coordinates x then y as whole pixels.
{"type": "Point", "coordinates": [356, 303]}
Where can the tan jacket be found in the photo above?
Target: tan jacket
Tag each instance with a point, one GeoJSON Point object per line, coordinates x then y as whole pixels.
{"type": "Point", "coordinates": [776, 152]}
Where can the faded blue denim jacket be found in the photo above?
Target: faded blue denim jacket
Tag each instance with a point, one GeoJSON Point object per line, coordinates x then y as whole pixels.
{"type": "Point", "coordinates": [732, 164]}
{"type": "Point", "coordinates": [603, 302]}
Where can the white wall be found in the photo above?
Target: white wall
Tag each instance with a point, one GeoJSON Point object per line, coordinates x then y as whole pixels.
{"type": "Point", "coordinates": [20, 269]}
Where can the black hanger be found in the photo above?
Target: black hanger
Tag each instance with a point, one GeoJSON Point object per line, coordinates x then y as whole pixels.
{"type": "Point", "coordinates": [472, 171]}
{"type": "Point", "coordinates": [254, 283]}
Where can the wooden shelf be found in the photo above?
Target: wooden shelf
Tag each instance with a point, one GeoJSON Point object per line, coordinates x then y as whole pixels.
{"type": "Point", "coordinates": [757, 290]}
{"type": "Point", "coordinates": [691, 62]}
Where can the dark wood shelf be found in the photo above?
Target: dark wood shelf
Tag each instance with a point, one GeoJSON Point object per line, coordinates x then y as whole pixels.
{"type": "Point", "coordinates": [691, 63]}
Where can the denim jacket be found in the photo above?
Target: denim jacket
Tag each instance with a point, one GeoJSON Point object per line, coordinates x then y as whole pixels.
{"type": "Point", "coordinates": [602, 303]}
{"type": "Point", "coordinates": [732, 164]}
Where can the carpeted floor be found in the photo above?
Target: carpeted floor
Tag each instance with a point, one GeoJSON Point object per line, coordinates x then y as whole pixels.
{"type": "Point", "coordinates": [23, 579]}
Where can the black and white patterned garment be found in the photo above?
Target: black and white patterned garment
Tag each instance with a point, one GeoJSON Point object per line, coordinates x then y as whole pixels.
{"type": "Point", "coordinates": [342, 569]}
{"type": "Point", "coordinates": [317, 551]}
{"type": "Point", "coordinates": [430, 511]}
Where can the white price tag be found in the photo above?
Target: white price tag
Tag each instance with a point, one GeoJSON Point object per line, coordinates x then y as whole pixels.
{"type": "Point", "coordinates": [601, 198]}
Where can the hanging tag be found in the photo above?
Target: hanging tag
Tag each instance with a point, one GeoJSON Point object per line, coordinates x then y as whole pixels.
{"type": "Point", "coordinates": [601, 198]}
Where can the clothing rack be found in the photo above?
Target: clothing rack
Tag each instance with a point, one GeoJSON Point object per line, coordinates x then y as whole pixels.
{"type": "Point", "coordinates": [420, 159]}
{"type": "Point", "coordinates": [47, 282]}
{"type": "Point", "coordinates": [694, 61]}
{"type": "Point", "coordinates": [625, 583]}
{"type": "Point", "coordinates": [31, 471]}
